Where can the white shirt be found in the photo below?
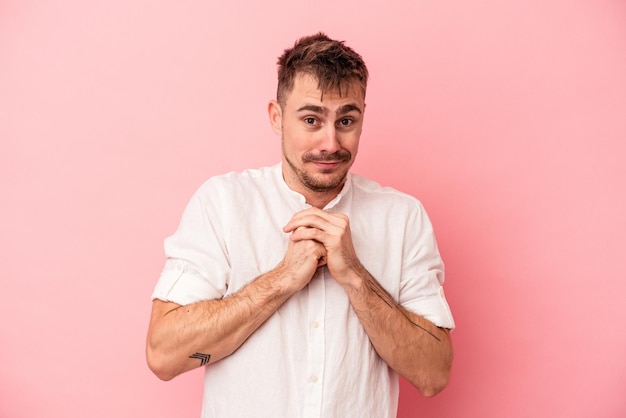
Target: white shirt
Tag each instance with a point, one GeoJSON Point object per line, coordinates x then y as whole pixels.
{"type": "Point", "coordinates": [312, 358]}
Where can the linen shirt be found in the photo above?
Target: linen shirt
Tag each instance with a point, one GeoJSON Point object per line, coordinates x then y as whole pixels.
{"type": "Point", "coordinates": [311, 358]}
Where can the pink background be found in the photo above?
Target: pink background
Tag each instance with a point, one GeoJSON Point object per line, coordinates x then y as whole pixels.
{"type": "Point", "coordinates": [507, 119]}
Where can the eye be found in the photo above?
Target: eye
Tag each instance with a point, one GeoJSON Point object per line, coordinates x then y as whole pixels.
{"type": "Point", "coordinates": [310, 121]}
{"type": "Point", "coordinates": [345, 122]}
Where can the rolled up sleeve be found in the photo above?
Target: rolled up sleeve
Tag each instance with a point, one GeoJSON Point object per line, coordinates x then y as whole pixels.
{"type": "Point", "coordinates": [421, 288]}
{"type": "Point", "coordinates": [197, 266]}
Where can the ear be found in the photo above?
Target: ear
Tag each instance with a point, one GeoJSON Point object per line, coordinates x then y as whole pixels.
{"type": "Point", "coordinates": [275, 113]}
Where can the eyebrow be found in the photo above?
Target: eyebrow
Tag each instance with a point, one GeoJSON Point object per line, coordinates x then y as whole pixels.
{"type": "Point", "coordinates": [324, 111]}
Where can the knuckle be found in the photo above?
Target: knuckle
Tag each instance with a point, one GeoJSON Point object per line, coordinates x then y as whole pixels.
{"type": "Point", "coordinates": [343, 217]}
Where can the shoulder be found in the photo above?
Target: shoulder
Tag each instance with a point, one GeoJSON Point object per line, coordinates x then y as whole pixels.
{"type": "Point", "coordinates": [370, 192]}
{"type": "Point", "coordinates": [238, 182]}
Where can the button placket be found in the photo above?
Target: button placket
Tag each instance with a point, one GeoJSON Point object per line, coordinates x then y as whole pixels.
{"type": "Point", "coordinates": [316, 347]}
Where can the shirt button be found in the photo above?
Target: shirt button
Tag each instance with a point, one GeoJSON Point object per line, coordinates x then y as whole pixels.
{"type": "Point", "coordinates": [315, 324]}
{"type": "Point", "coordinates": [179, 266]}
{"type": "Point", "coordinates": [313, 379]}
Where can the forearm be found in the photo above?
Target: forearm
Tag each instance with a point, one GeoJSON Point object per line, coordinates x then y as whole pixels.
{"type": "Point", "coordinates": [410, 344]}
{"type": "Point", "coordinates": [181, 338]}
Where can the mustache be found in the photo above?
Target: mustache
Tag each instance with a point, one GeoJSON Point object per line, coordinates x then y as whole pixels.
{"type": "Point", "coordinates": [341, 155]}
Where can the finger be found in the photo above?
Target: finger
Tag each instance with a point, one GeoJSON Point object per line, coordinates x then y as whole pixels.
{"type": "Point", "coordinates": [305, 218]}
{"type": "Point", "coordinates": [303, 233]}
{"type": "Point", "coordinates": [324, 222]}
{"type": "Point", "coordinates": [296, 234]}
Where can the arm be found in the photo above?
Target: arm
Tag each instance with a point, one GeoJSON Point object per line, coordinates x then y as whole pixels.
{"type": "Point", "coordinates": [410, 344]}
{"type": "Point", "coordinates": [181, 338]}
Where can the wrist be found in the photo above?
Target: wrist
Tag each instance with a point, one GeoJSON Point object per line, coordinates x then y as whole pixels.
{"type": "Point", "coordinates": [284, 280]}
{"type": "Point", "coordinates": [354, 278]}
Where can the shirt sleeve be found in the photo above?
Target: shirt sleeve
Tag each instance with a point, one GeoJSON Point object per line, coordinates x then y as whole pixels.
{"type": "Point", "coordinates": [421, 287]}
{"type": "Point", "coordinates": [197, 266]}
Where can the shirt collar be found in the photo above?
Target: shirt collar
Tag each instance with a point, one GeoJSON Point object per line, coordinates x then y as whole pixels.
{"type": "Point", "coordinates": [299, 198]}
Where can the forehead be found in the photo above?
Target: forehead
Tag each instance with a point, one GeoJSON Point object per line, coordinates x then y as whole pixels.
{"type": "Point", "coordinates": [306, 89]}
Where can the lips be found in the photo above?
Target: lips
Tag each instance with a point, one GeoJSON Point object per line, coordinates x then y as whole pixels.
{"type": "Point", "coordinates": [327, 165]}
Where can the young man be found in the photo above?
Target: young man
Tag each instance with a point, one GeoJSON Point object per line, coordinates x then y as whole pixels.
{"type": "Point", "coordinates": [304, 289]}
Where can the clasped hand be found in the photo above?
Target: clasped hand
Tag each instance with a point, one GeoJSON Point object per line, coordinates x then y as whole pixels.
{"type": "Point", "coordinates": [328, 236]}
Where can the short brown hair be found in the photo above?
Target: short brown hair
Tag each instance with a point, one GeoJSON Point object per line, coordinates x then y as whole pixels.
{"type": "Point", "coordinates": [331, 62]}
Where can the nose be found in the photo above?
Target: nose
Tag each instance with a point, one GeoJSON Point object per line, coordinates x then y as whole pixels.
{"type": "Point", "coordinates": [329, 142]}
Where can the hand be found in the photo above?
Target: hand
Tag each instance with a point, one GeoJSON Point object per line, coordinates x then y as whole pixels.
{"type": "Point", "coordinates": [303, 257]}
{"type": "Point", "coordinates": [333, 232]}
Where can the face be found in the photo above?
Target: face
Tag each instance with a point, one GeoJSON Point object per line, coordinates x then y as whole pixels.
{"type": "Point", "coordinates": [320, 135]}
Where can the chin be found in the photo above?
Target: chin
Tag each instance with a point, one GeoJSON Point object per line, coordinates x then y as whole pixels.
{"type": "Point", "coordinates": [320, 183]}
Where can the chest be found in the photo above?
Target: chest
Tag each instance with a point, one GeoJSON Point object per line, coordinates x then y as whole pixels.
{"type": "Point", "coordinates": [256, 244]}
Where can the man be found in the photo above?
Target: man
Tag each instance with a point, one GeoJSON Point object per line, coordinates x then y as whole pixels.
{"type": "Point", "coordinates": [303, 288]}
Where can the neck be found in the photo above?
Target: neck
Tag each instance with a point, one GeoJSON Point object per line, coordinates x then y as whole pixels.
{"type": "Point", "coordinates": [320, 200]}
{"type": "Point", "coordinates": [315, 198]}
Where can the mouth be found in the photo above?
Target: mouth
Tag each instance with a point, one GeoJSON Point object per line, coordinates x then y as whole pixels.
{"type": "Point", "coordinates": [327, 165]}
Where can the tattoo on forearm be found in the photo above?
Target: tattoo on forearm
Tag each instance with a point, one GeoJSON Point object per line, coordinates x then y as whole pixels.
{"type": "Point", "coordinates": [377, 293]}
{"type": "Point", "coordinates": [384, 297]}
{"type": "Point", "coordinates": [204, 358]}
{"type": "Point", "coordinates": [421, 327]}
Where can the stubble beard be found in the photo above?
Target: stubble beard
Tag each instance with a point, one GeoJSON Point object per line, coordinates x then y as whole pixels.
{"type": "Point", "coordinates": [321, 183]}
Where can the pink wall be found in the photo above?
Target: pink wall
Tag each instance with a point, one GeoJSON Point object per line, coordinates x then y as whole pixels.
{"type": "Point", "coordinates": [507, 119]}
